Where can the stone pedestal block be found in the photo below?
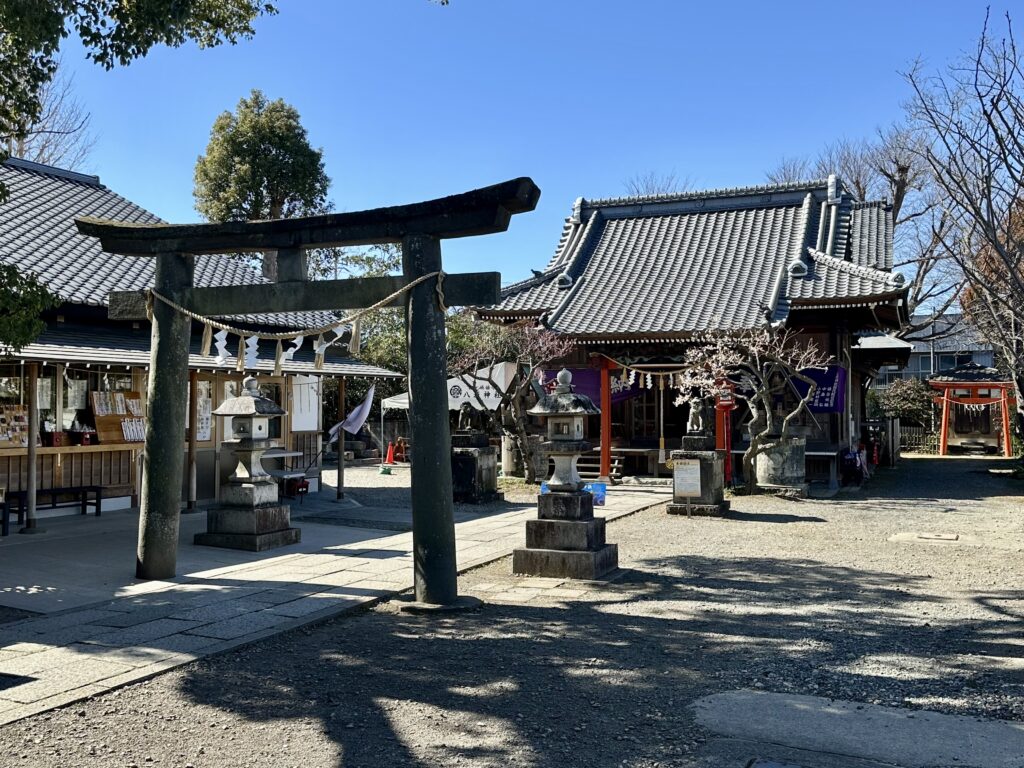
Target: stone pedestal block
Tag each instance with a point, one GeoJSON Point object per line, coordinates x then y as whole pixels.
{"type": "Point", "coordinates": [567, 541]}
{"type": "Point", "coordinates": [711, 501]}
{"type": "Point", "coordinates": [475, 474]}
{"type": "Point", "coordinates": [565, 506]}
{"type": "Point", "coordinates": [561, 564]}
{"type": "Point", "coordinates": [698, 443]}
{"type": "Point", "coordinates": [565, 534]}
{"type": "Point", "coordinates": [253, 529]}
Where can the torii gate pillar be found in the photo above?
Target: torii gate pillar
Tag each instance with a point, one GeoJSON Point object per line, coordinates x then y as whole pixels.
{"type": "Point", "coordinates": [433, 525]}
{"type": "Point", "coordinates": [167, 400]}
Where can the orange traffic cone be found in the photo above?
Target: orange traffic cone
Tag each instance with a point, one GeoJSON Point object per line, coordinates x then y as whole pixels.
{"type": "Point", "coordinates": [391, 454]}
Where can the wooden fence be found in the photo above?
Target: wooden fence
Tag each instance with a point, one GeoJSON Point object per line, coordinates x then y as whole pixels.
{"type": "Point", "coordinates": [915, 439]}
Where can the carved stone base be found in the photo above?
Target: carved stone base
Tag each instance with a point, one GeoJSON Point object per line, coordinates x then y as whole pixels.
{"type": "Point", "coordinates": [251, 542]}
{"type": "Point", "coordinates": [702, 510]}
{"type": "Point", "coordinates": [560, 564]}
{"type": "Point", "coordinates": [253, 529]}
{"type": "Point", "coordinates": [566, 541]}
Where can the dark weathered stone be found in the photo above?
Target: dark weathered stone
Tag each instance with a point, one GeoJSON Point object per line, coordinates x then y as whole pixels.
{"type": "Point", "coordinates": [470, 440]}
{"type": "Point", "coordinates": [163, 461]}
{"type": "Point", "coordinates": [712, 484]}
{"type": "Point", "coordinates": [478, 212]}
{"type": "Point", "coordinates": [250, 542]}
{"type": "Point", "coordinates": [565, 506]}
{"type": "Point", "coordinates": [699, 510]}
{"type": "Point", "coordinates": [265, 519]}
{"type": "Point", "coordinates": [433, 524]}
{"type": "Point", "coordinates": [565, 534]}
{"type": "Point", "coordinates": [566, 565]}
{"type": "Point", "coordinates": [320, 295]}
{"type": "Point", "coordinates": [475, 474]}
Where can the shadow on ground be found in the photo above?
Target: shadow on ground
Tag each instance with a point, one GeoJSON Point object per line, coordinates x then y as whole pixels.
{"type": "Point", "coordinates": [599, 682]}
{"type": "Point", "coordinates": [941, 481]}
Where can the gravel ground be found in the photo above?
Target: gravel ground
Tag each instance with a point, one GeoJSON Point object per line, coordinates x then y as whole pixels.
{"type": "Point", "coordinates": [837, 598]}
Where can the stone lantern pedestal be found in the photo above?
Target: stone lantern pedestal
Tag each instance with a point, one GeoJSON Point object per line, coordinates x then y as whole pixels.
{"type": "Point", "coordinates": [249, 516]}
{"type": "Point", "coordinates": [566, 540]}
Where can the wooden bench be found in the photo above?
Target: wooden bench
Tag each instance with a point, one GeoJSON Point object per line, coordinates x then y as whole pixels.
{"type": "Point", "coordinates": [16, 501]}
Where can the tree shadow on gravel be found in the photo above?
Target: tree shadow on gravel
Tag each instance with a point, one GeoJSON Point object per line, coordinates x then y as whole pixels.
{"type": "Point", "coordinates": [939, 480]}
{"type": "Point", "coordinates": [597, 682]}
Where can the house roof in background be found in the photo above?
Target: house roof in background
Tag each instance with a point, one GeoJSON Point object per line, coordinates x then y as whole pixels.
{"type": "Point", "coordinates": [669, 265]}
{"type": "Point", "coordinates": [953, 332]}
{"type": "Point", "coordinates": [38, 235]}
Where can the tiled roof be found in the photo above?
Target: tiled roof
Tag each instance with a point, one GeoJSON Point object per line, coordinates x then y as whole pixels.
{"type": "Point", "coordinates": [870, 240]}
{"type": "Point", "coordinates": [831, 280]}
{"type": "Point", "coordinates": [970, 372]}
{"type": "Point", "coordinates": [117, 345]}
{"type": "Point", "coordinates": [38, 235]}
{"type": "Point", "coordinates": [668, 265]}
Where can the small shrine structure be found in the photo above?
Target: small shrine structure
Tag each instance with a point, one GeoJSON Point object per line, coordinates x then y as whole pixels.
{"type": "Point", "coordinates": [976, 403]}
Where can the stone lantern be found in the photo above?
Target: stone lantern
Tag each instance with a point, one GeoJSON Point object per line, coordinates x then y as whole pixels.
{"type": "Point", "coordinates": [249, 515]}
{"type": "Point", "coordinates": [565, 412]}
{"type": "Point", "coordinates": [566, 541]}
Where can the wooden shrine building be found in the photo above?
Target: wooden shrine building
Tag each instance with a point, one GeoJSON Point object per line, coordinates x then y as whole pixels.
{"type": "Point", "coordinates": [976, 403]}
{"type": "Point", "coordinates": [90, 371]}
{"type": "Point", "coordinates": [634, 278]}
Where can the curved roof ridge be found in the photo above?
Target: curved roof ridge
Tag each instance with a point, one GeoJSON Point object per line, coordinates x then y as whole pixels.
{"type": "Point", "coordinates": [895, 278]}
{"type": "Point", "coordinates": [52, 170]}
{"type": "Point", "coordinates": [760, 189]}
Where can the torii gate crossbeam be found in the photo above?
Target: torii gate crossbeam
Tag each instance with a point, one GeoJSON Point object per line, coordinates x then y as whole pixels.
{"type": "Point", "coordinates": [419, 228]}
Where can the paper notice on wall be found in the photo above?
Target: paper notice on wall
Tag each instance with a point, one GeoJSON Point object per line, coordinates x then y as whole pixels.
{"type": "Point", "coordinates": [78, 392]}
{"type": "Point", "coordinates": [204, 418]}
{"type": "Point", "coordinates": [44, 393]}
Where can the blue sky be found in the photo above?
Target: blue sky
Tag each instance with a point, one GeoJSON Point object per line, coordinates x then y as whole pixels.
{"type": "Point", "coordinates": [410, 100]}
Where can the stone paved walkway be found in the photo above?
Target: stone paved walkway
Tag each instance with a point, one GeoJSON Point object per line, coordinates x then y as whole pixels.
{"type": "Point", "coordinates": [147, 628]}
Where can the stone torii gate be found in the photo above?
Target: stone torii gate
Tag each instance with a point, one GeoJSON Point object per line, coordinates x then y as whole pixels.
{"type": "Point", "coordinates": [419, 228]}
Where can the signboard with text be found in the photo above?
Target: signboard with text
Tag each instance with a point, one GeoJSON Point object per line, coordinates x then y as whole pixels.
{"type": "Point", "coordinates": [686, 478]}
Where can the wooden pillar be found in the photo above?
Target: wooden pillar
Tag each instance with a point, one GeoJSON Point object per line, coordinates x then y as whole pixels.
{"type": "Point", "coordinates": [341, 439]}
{"type": "Point", "coordinates": [1007, 440]}
{"type": "Point", "coordinates": [944, 434]}
{"type": "Point", "coordinates": [32, 398]}
{"type": "Point", "coordinates": [606, 421]}
{"type": "Point", "coordinates": [193, 424]}
{"type": "Point", "coordinates": [163, 461]}
{"type": "Point", "coordinates": [433, 526]}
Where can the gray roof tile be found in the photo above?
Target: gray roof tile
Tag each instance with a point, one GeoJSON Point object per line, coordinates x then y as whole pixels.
{"type": "Point", "coordinates": [720, 259]}
{"type": "Point", "coordinates": [38, 235]}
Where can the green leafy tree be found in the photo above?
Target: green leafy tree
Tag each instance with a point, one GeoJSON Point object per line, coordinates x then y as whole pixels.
{"type": "Point", "coordinates": [112, 32]}
{"type": "Point", "coordinates": [22, 300]}
{"type": "Point", "coordinates": [259, 164]}
{"type": "Point", "coordinates": [907, 399]}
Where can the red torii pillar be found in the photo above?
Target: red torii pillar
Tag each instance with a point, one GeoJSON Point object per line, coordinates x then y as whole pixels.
{"type": "Point", "coordinates": [944, 434]}
{"type": "Point", "coordinates": [1007, 441]}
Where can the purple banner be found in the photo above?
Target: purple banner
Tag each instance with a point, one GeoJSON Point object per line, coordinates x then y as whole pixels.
{"type": "Point", "coordinates": [830, 395]}
{"type": "Point", "coordinates": [588, 382]}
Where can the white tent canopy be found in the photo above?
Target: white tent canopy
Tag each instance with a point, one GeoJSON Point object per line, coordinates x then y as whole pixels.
{"type": "Point", "coordinates": [477, 391]}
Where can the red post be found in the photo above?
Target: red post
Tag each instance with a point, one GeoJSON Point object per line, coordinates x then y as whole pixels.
{"type": "Point", "coordinates": [724, 406]}
{"type": "Point", "coordinates": [944, 434]}
{"type": "Point", "coordinates": [1007, 442]}
{"type": "Point", "coordinates": [606, 421]}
